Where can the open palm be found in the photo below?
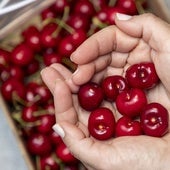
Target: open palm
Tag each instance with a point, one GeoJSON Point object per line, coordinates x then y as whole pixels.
{"type": "Point", "coordinates": [110, 52]}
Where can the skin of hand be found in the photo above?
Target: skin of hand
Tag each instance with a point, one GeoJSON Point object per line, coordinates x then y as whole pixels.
{"type": "Point", "coordinates": [111, 51]}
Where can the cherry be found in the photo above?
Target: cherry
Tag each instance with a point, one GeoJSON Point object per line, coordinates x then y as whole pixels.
{"type": "Point", "coordinates": [32, 38]}
{"type": "Point", "coordinates": [4, 57]}
{"type": "Point", "coordinates": [154, 120]}
{"type": "Point", "coordinates": [111, 12]}
{"type": "Point", "coordinates": [38, 144]}
{"type": "Point", "coordinates": [63, 153]}
{"type": "Point", "coordinates": [46, 123]}
{"type": "Point", "coordinates": [22, 55]}
{"type": "Point", "coordinates": [84, 7]}
{"type": "Point", "coordinates": [102, 15]}
{"type": "Point", "coordinates": [78, 36]}
{"type": "Point", "coordinates": [66, 47]}
{"type": "Point", "coordinates": [113, 85]}
{"type": "Point", "coordinates": [47, 13]}
{"type": "Point", "coordinates": [101, 123]}
{"type": "Point", "coordinates": [60, 5]}
{"type": "Point", "coordinates": [12, 88]}
{"type": "Point", "coordinates": [131, 102]}
{"type": "Point", "coordinates": [12, 71]}
{"type": "Point", "coordinates": [126, 126]}
{"type": "Point", "coordinates": [48, 162]}
{"type": "Point", "coordinates": [78, 22]}
{"type": "Point", "coordinates": [51, 58]}
{"type": "Point", "coordinates": [55, 138]}
{"type": "Point", "coordinates": [90, 96]}
{"type": "Point", "coordinates": [48, 37]}
{"type": "Point", "coordinates": [28, 113]}
{"type": "Point", "coordinates": [32, 67]}
{"type": "Point", "coordinates": [128, 5]}
{"type": "Point", "coordinates": [142, 75]}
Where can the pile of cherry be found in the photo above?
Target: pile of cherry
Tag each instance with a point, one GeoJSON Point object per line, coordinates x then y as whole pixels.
{"type": "Point", "coordinates": [129, 96]}
{"type": "Point", "coordinates": [63, 27]}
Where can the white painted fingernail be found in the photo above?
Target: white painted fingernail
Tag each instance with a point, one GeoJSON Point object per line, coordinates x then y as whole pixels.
{"type": "Point", "coordinates": [59, 130]}
{"type": "Point", "coordinates": [77, 70]}
{"type": "Point", "coordinates": [123, 17]}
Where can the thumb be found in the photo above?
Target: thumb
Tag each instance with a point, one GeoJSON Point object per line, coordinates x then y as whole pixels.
{"type": "Point", "coordinates": [77, 140]}
{"type": "Point", "coordinates": [150, 28]}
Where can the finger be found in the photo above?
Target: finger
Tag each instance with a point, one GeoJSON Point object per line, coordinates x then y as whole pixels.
{"type": "Point", "coordinates": [49, 76]}
{"type": "Point", "coordinates": [57, 71]}
{"type": "Point", "coordinates": [85, 72]}
{"type": "Point", "coordinates": [80, 145]}
{"type": "Point", "coordinates": [67, 74]}
{"type": "Point", "coordinates": [103, 42]}
{"type": "Point", "coordinates": [152, 29]}
{"type": "Point", "coordinates": [63, 102]}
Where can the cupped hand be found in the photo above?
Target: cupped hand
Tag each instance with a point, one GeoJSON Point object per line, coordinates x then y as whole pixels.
{"type": "Point", "coordinates": [108, 52]}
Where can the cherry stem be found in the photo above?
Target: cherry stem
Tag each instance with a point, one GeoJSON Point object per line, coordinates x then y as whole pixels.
{"type": "Point", "coordinates": [139, 6]}
{"type": "Point", "coordinates": [112, 2]}
{"type": "Point", "coordinates": [37, 160]}
{"type": "Point", "coordinates": [16, 100]}
{"type": "Point", "coordinates": [98, 23]}
{"type": "Point", "coordinates": [67, 62]}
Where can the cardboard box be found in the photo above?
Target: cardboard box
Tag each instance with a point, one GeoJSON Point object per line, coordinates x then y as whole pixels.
{"type": "Point", "coordinates": [158, 7]}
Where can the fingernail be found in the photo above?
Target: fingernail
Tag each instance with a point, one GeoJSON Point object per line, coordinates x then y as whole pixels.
{"type": "Point", "coordinates": [77, 70]}
{"type": "Point", "coordinates": [123, 17]}
{"type": "Point", "coordinates": [59, 130]}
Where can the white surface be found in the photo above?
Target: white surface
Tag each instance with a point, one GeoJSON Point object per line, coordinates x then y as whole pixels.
{"type": "Point", "coordinates": [10, 155]}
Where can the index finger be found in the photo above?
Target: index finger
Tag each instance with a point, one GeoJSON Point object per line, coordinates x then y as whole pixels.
{"type": "Point", "coordinates": [103, 42]}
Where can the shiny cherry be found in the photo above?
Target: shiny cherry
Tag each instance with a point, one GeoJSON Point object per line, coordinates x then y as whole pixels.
{"type": "Point", "coordinates": [90, 96]}
{"type": "Point", "coordinates": [113, 85]}
{"type": "Point", "coordinates": [126, 126]}
{"type": "Point", "coordinates": [131, 102]}
{"type": "Point", "coordinates": [22, 55]}
{"type": "Point", "coordinates": [154, 120]}
{"type": "Point", "coordinates": [101, 123]}
{"type": "Point", "coordinates": [38, 144]}
{"type": "Point", "coordinates": [142, 75]}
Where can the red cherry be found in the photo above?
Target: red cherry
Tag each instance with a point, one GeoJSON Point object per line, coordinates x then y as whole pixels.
{"type": "Point", "coordinates": [131, 102]}
{"type": "Point", "coordinates": [102, 15]}
{"type": "Point", "coordinates": [47, 13]}
{"type": "Point", "coordinates": [111, 12]}
{"type": "Point", "coordinates": [11, 71]}
{"type": "Point", "coordinates": [101, 123]}
{"type": "Point", "coordinates": [66, 47]}
{"type": "Point", "coordinates": [84, 7]}
{"type": "Point", "coordinates": [64, 154]}
{"type": "Point", "coordinates": [38, 144]}
{"type": "Point", "coordinates": [48, 37]}
{"type": "Point", "coordinates": [4, 57]}
{"type": "Point", "coordinates": [46, 123]}
{"type": "Point", "coordinates": [60, 5]}
{"type": "Point", "coordinates": [12, 87]}
{"type": "Point", "coordinates": [51, 58]}
{"type": "Point", "coordinates": [78, 37]}
{"type": "Point", "coordinates": [78, 22]}
{"type": "Point", "coordinates": [55, 138]}
{"type": "Point", "coordinates": [22, 55]}
{"type": "Point", "coordinates": [32, 38]}
{"type": "Point", "coordinates": [142, 75]}
{"type": "Point", "coordinates": [28, 113]}
{"type": "Point", "coordinates": [90, 96]}
{"type": "Point", "coordinates": [128, 5]}
{"type": "Point", "coordinates": [125, 126]}
{"type": "Point", "coordinates": [113, 85]}
{"type": "Point", "coordinates": [32, 67]}
{"type": "Point", "coordinates": [154, 120]}
{"type": "Point", "coordinates": [48, 162]}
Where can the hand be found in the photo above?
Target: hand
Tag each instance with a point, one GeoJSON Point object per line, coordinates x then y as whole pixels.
{"type": "Point", "coordinates": [111, 51]}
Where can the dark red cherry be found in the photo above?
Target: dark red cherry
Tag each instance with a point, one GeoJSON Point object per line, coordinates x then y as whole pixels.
{"type": "Point", "coordinates": [90, 96]}
{"type": "Point", "coordinates": [101, 123]}
{"type": "Point", "coordinates": [142, 75]}
{"type": "Point", "coordinates": [154, 120]}
{"type": "Point", "coordinates": [126, 126]}
{"type": "Point", "coordinates": [113, 85]}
